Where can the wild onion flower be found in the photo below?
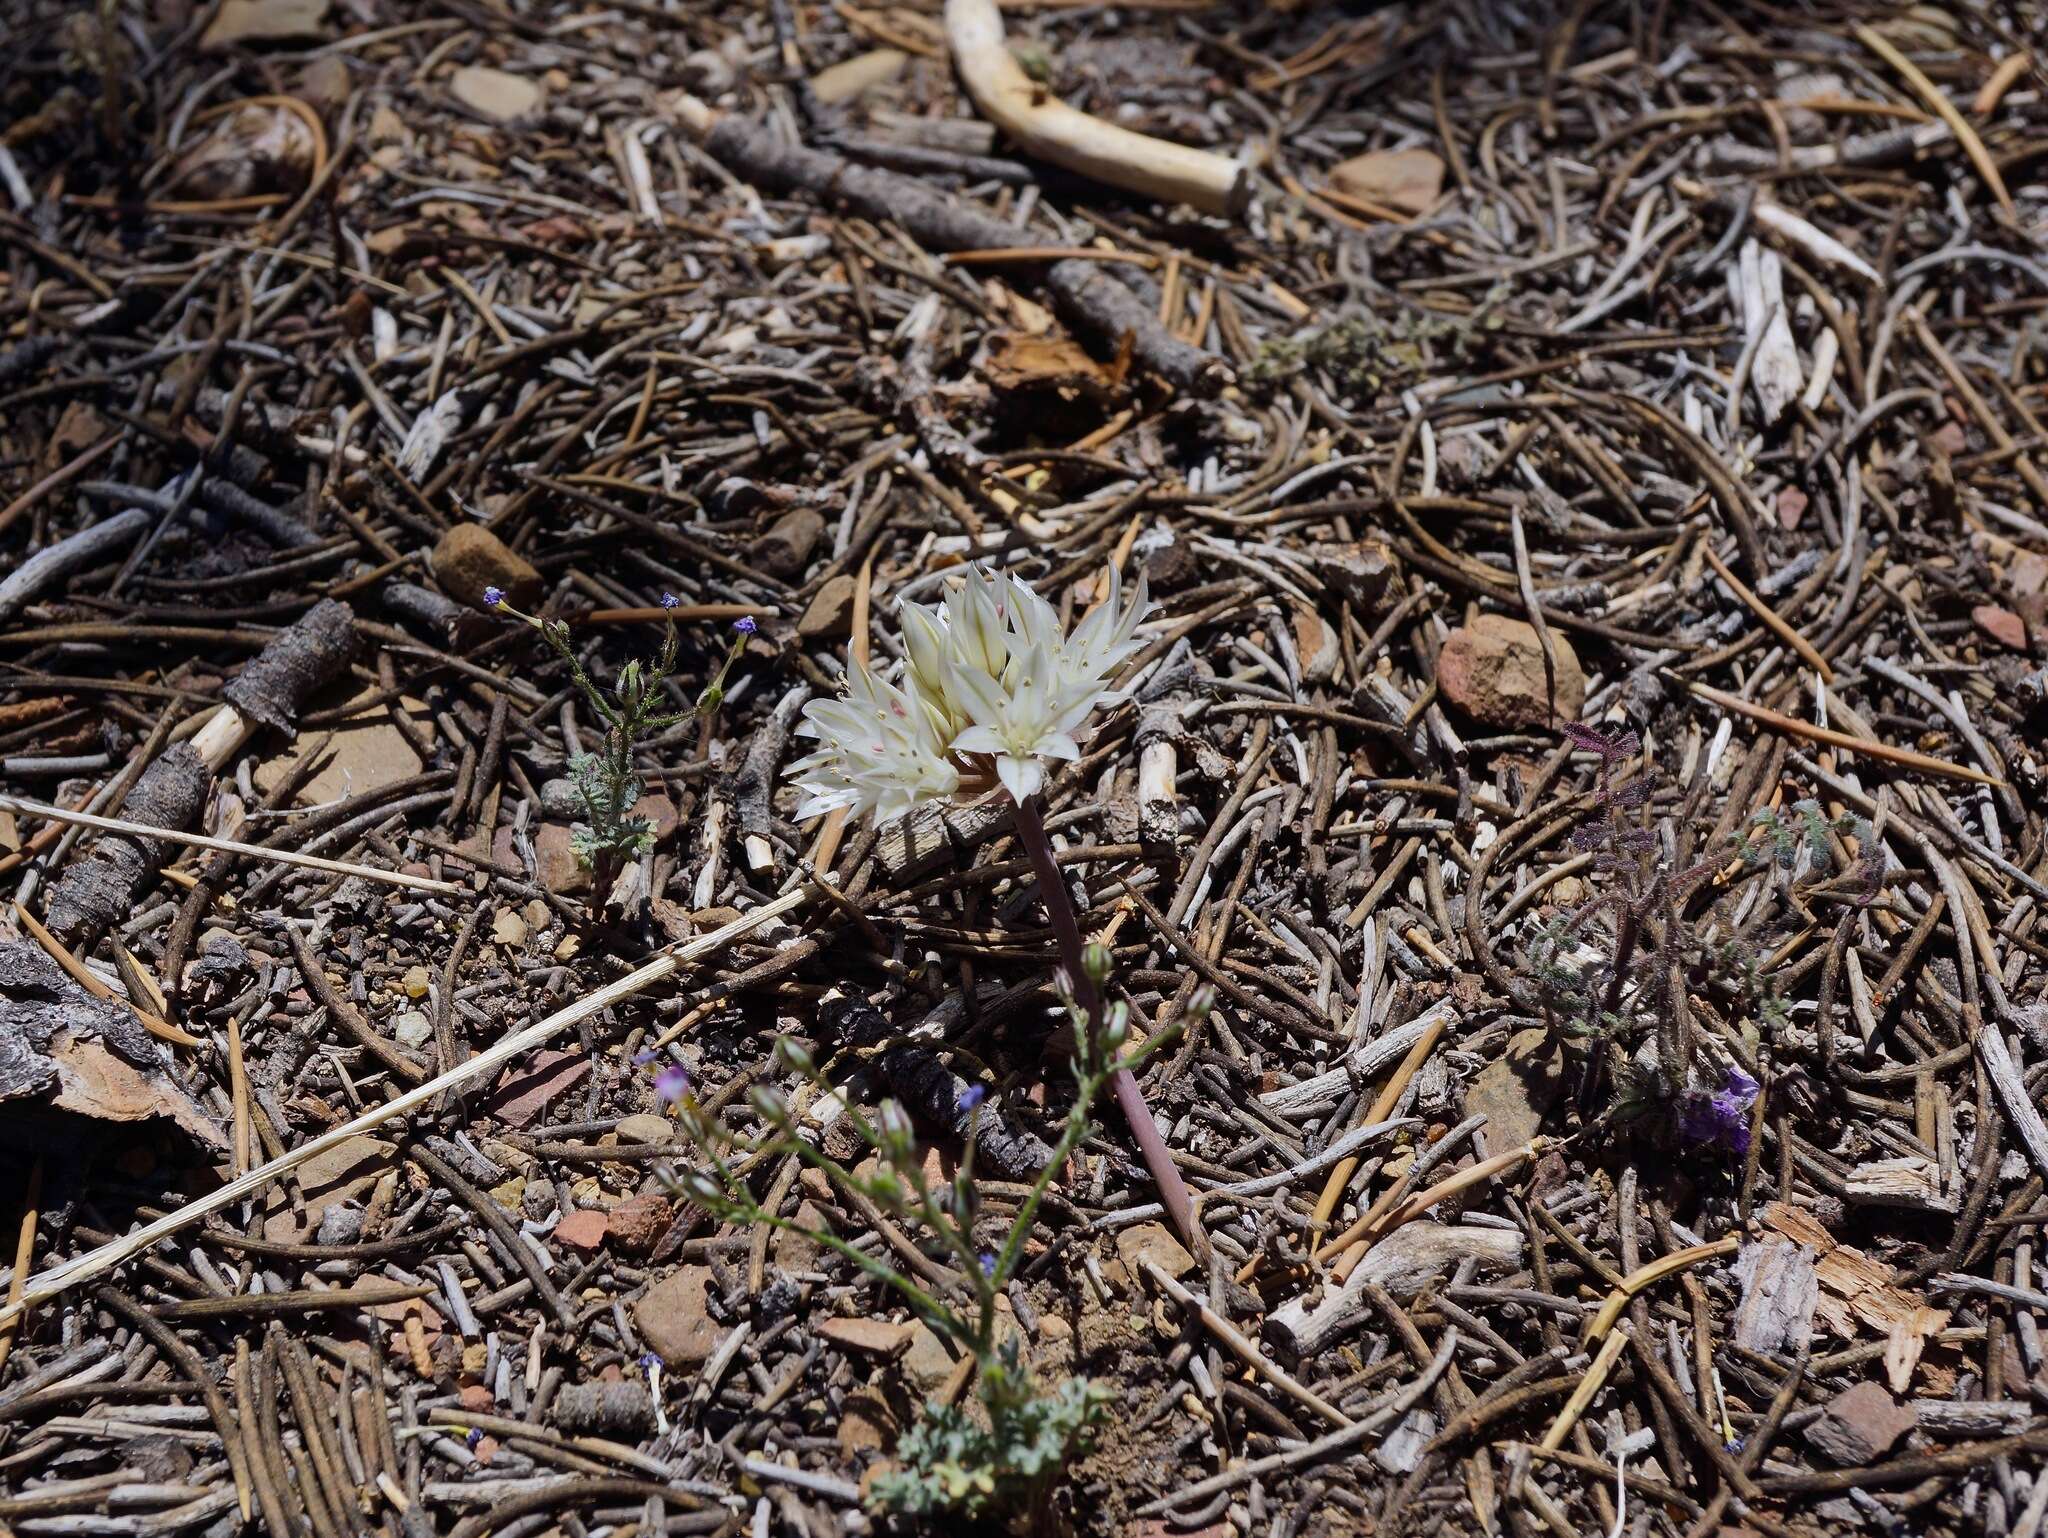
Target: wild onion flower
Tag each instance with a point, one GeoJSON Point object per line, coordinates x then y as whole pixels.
{"type": "Point", "coordinates": [1720, 1116]}
{"type": "Point", "coordinates": [669, 600]}
{"type": "Point", "coordinates": [745, 624]}
{"type": "Point", "coordinates": [493, 596]}
{"type": "Point", "coordinates": [991, 689]}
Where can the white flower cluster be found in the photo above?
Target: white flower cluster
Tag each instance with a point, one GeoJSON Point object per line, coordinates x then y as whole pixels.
{"type": "Point", "coordinates": [990, 689]}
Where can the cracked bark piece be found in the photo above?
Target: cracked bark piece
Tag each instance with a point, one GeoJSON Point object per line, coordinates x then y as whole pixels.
{"type": "Point", "coordinates": [92, 894]}
{"type": "Point", "coordinates": [274, 687]}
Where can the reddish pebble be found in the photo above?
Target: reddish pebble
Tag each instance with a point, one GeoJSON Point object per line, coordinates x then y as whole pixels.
{"type": "Point", "coordinates": [582, 1229]}
{"type": "Point", "coordinates": [477, 1398]}
{"type": "Point", "coordinates": [638, 1221]}
{"type": "Point", "coordinates": [2002, 625]}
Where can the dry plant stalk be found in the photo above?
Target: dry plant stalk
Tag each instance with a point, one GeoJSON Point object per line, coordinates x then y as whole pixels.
{"type": "Point", "coordinates": [1055, 132]}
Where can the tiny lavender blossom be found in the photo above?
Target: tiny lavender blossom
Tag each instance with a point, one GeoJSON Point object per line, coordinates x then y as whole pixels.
{"type": "Point", "coordinates": [669, 600]}
{"type": "Point", "coordinates": [990, 691]}
{"type": "Point", "coordinates": [1720, 1117]}
{"type": "Point", "coordinates": [493, 596]}
{"type": "Point", "coordinates": [745, 624]}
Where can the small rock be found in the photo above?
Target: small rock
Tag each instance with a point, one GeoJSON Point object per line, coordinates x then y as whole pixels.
{"type": "Point", "coordinates": [2002, 625]}
{"type": "Point", "coordinates": [637, 1222]}
{"type": "Point", "coordinates": [412, 1028]}
{"type": "Point", "coordinates": [672, 1318]}
{"type": "Point", "coordinates": [659, 810]}
{"type": "Point", "coordinates": [795, 1251]}
{"type": "Point", "coordinates": [496, 94]}
{"type": "Point", "coordinates": [525, 1094]}
{"type": "Point", "coordinates": [870, 1337]}
{"type": "Point", "coordinates": [929, 1361]}
{"type": "Point", "coordinates": [1362, 570]}
{"type": "Point", "coordinates": [829, 616]}
{"type": "Point", "coordinates": [1409, 180]}
{"type": "Point", "coordinates": [556, 863]}
{"type": "Point", "coordinates": [1154, 1242]}
{"type": "Point", "coordinates": [324, 84]}
{"type": "Point", "coordinates": [476, 1398]}
{"type": "Point", "coordinates": [470, 558]}
{"type": "Point", "coordinates": [582, 1229]}
{"type": "Point", "coordinates": [264, 21]}
{"type": "Point", "coordinates": [1860, 1425]}
{"type": "Point", "coordinates": [786, 548]}
{"type": "Point", "coordinates": [340, 1225]}
{"type": "Point", "coordinates": [1515, 1090]}
{"type": "Point", "coordinates": [508, 928]}
{"type": "Point", "coordinates": [866, 1425]}
{"type": "Point", "coordinates": [859, 75]}
{"type": "Point", "coordinates": [1053, 1327]}
{"type": "Point", "coordinates": [1492, 670]}
{"type": "Point", "coordinates": [645, 1128]}
{"type": "Point", "coordinates": [416, 982]}
{"type": "Point", "coordinates": [1173, 566]}
{"type": "Point", "coordinates": [341, 1174]}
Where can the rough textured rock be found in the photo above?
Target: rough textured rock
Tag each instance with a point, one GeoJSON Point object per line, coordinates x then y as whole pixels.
{"type": "Point", "coordinates": [673, 1317]}
{"type": "Point", "coordinates": [638, 1221]}
{"type": "Point", "coordinates": [1492, 671]}
{"type": "Point", "coordinates": [582, 1229]}
{"type": "Point", "coordinates": [829, 616]}
{"type": "Point", "coordinates": [556, 864]}
{"type": "Point", "coordinates": [1515, 1090]}
{"type": "Point", "coordinates": [1860, 1426]}
{"type": "Point", "coordinates": [1154, 1242]}
{"type": "Point", "coordinates": [470, 558]}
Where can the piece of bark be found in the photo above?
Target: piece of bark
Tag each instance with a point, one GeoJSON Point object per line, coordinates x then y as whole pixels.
{"type": "Point", "coordinates": [1097, 303]}
{"type": "Point", "coordinates": [603, 1409]}
{"type": "Point", "coordinates": [63, 1049]}
{"type": "Point", "coordinates": [274, 687]}
{"type": "Point", "coordinates": [1366, 1060]}
{"type": "Point", "coordinates": [1780, 1289]}
{"type": "Point", "coordinates": [753, 783]}
{"type": "Point", "coordinates": [92, 894]}
{"type": "Point", "coordinates": [1404, 1263]}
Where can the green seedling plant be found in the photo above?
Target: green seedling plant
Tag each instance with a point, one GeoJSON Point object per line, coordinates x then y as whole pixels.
{"type": "Point", "coordinates": [631, 713]}
{"type": "Point", "coordinates": [1002, 1465]}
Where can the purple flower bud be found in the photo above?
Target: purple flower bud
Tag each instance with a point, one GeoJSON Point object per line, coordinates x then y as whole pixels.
{"type": "Point", "coordinates": [745, 624]}
{"type": "Point", "coordinates": [474, 1436]}
{"type": "Point", "coordinates": [988, 1264]}
{"type": "Point", "coordinates": [669, 600]}
{"type": "Point", "coordinates": [649, 1361]}
{"type": "Point", "coordinates": [1722, 1116]}
{"type": "Point", "coordinates": [671, 1084]}
{"type": "Point", "coordinates": [971, 1097]}
{"type": "Point", "coordinates": [493, 596]}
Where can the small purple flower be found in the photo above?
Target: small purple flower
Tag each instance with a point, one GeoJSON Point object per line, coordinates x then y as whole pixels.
{"type": "Point", "coordinates": [474, 1436]}
{"type": "Point", "coordinates": [1720, 1117]}
{"type": "Point", "coordinates": [649, 1362]}
{"type": "Point", "coordinates": [671, 1084]}
{"type": "Point", "coordinates": [669, 600]}
{"type": "Point", "coordinates": [971, 1097]}
{"type": "Point", "coordinates": [642, 1059]}
{"type": "Point", "coordinates": [493, 596]}
{"type": "Point", "coordinates": [745, 624]}
{"type": "Point", "coordinates": [988, 1265]}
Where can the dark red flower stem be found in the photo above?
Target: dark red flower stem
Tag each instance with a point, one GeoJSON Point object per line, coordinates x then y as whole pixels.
{"type": "Point", "coordinates": [1066, 928]}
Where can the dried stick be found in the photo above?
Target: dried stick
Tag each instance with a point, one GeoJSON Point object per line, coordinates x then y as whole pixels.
{"type": "Point", "coordinates": [227, 845]}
